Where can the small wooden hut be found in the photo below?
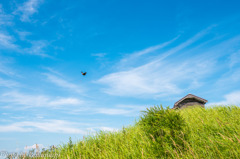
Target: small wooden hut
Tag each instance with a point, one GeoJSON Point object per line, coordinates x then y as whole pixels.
{"type": "Point", "coordinates": [190, 100]}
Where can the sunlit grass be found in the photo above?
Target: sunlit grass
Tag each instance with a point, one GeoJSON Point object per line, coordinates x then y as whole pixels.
{"type": "Point", "coordinates": [206, 133]}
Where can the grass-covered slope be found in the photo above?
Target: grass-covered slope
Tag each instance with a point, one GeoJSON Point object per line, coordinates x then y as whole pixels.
{"type": "Point", "coordinates": [165, 133]}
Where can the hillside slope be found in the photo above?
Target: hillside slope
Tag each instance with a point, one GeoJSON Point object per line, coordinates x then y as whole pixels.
{"type": "Point", "coordinates": [164, 133]}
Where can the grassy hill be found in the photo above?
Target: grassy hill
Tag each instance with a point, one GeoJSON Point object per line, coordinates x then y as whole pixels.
{"type": "Point", "coordinates": [164, 133]}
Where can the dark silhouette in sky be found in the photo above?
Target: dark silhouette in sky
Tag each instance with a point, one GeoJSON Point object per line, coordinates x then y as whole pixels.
{"type": "Point", "coordinates": [84, 73]}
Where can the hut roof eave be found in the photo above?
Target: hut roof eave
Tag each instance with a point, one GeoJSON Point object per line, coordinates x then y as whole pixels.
{"type": "Point", "coordinates": [191, 96]}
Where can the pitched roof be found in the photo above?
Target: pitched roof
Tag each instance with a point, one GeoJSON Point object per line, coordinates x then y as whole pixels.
{"type": "Point", "coordinates": [191, 96]}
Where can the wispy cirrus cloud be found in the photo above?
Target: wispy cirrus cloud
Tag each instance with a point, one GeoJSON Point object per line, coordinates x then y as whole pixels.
{"type": "Point", "coordinates": [52, 126]}
{"type": "Point", "coordinates": [126, 110]}
{"type": "Point", "coordinates": [5, 19]}
{"type": "Point", "coordinates": [8, 83]}
{"type": "Point", "coordinates": [162, 77]}
{"type": "Point", "coordinates": [27, 9]}
{"type": "Point", "coordinates": [113, 111]}
{"type": "Point", "coordinates": [102, 128]}
{"type": "Point", "coordinates": [232, 98]}
{"type": "Point", "coordinates": [100, 55]}
{"type": "Point", "coordinates": [63, 83]}
{"type": "Point", "coordinates": [230, 77]}
{"type": "Point", "coordinates": [134, 57]}
{"type": "Point", "coordinates": [37, 48]}
{"type": "Point", "coordinates": [182, 46]}
{"type": "Point", "coordinates": [27, 101]}
{"type": "Point", "coordinates": [23, 34]}
{"type": "Point", "coordinates": [7, 41]}
{"type": "Point", "coordinates": [162, 55]}
{"type": "Point", "coordinates": [4, 68]}
{"type": "Point", "coordinates": [234, 59]}
{"type": "Point", "coordinates": [65, 101]}
{"type": "Point", "coordinates": [158, 79]}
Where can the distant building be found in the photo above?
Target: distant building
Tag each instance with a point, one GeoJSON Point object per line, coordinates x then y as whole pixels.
{"type": "Point", "coordinates": [190, 100]}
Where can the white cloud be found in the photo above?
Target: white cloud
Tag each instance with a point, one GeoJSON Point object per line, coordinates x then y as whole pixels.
{"type": "Point", "coordinates": [234, 59]}
{"type": "Point", "coordinates": [37, 48]}
{"type": "Point", "coordinates": [10, 42]}
{"type": "Point", "coordinates": [63, 83]}
{"type": "Point", "coordinates": [108, 129]}
{"type": "Point", "coordinates": [8, 83]}
{"type": "Point", "coordinates": [53, 126]}
{"type": "Point", "coordinates": [14, 128]}
{"type": "Point", "coordinates": [231, 77]}
{"type": "Point", "coordinates": [34, 146]}
{"type": "Point", "coordinates": [134, 57]}
{"type": "Point", "coordinates": [111, 111]}
{"type": "Point", "coordinates": [17, 98]}
{"type": "Point", "coordinates": [233, 98]}
{"type": "Point", "coordinates": [28, 9]}
{"type": "Point", "coordinates": [181, 46]}
{"type": "Point", "coordinates": [23, 34]}
{"type": "Point", "coordinates": [93, 130]}
{"type": "Point", "coordinates": [5, 69]}
{"type": "Point", "coordinates": [26, 100]}
{"type": "Point", "coordinates": [126, 110]}
{"type": "Point", "coordinates": [99, 54]}
{"type": "Point", "coordinates": [5, 19]}
{"type": "Point", "coordinates": [230, 99]}
{"type": "Point", "coordinates": [159, 79]}
{"type": "Point", "coordinates": [151, 78]}
{"type": "Point", "coordinates": [66, 101]}
{"type": "Point", "coordinates": [52, 71]}
{"type": "Point", "coordinates": [7, 41]}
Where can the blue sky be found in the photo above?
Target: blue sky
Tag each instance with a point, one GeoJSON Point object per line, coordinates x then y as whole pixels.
{"type": "Point", "coordinates": [137, 54]}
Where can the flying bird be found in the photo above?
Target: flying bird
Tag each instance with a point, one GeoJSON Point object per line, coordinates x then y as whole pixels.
{"type": "Point", "coordinates": [84, 73]}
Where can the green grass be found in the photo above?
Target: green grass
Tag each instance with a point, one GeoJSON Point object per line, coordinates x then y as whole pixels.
{"type": "Point", "coordinates": [164, 133]}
